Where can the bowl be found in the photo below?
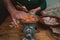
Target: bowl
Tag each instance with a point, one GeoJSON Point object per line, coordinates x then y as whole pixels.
{"type": "Point", "coordinates": [49, 20]}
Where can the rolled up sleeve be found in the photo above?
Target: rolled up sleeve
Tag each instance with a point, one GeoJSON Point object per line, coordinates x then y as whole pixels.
{"type": "Point", "coordinates": [43, 5]}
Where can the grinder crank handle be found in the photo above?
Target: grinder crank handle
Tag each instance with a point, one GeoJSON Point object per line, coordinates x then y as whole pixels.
{"type": "Point", "coordinates": [25, 9]}
{"type": "Point", "coordinates": [22, 8]}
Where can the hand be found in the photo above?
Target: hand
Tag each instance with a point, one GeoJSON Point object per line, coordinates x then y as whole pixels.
{"type": "Point", "coordinates": [33, 11]}
{"type": "Point", "coordinates": [17, 15]}
{"type": "Point", "coordinates": [43, 13]}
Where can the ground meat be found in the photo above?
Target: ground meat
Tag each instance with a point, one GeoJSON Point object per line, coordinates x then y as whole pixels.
{"type": "Point", "coordinates": [30, 18]}
{"type": "Point", "coordinates": [50, 21]}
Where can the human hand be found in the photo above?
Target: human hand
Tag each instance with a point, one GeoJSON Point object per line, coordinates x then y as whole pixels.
{"type": "Point", "coordinates": [18, 15]}
{"type": "Point", "coordinates": [44, 13]}
{"type": "Point", "coordinates": [33, 11]}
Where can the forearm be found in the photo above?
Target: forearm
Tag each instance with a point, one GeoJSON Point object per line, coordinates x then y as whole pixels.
{"type": "Point", "coordinates": [42, 6]}
{"type": "Point", "coordinates": [9, 6]}
{"type": "Point", "coordinates": [36, 9]}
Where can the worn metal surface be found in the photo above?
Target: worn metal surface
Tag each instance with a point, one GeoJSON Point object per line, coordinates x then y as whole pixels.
{"type": "Point", "coordinates": [8, 33]}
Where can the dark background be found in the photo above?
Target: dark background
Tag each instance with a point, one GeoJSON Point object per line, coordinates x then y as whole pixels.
{"type": "Point", "coordinates": [3, 12]}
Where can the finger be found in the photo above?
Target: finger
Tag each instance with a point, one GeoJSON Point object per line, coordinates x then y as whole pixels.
{"type": "Point", "coordinates": [15, 22]}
